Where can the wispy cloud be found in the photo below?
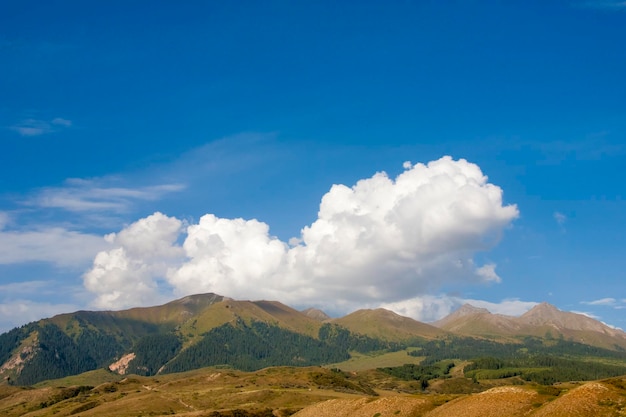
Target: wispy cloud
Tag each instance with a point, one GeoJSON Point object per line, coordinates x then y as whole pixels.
{"type": "Point", "coordinates": [38, 127]}
{"type": "Point", "coordinates": [611, 326]}
{"type": "Point", "coordinates": [226, 156]}
{"type": "Point", "coordinates": [59, 121]}
{"type": "Point", "coordinates": [28, 287]}
{"type": "Point", "coordinates": [560, 218]}
{"type": "Point", "coordinates": [587, 314]}
{"type": "Point", "coordinates": [32, 127]}
{"type": "Point", "coordinates": [80, 195]}
{"type": "Point", "coordinates": [601, 302]}
{"type": "Point", "coordinates": [488, 273]}
{"type": "Point", "coordinates": [55, 245]}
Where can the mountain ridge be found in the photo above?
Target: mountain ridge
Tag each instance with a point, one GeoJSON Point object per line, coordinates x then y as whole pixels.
{"type": "Point", "coordinates": [210, 330]}
{"type": "Point", "coordinates": [387, 325]}
{"type": "Point", "coordinates": [543, 320]}
{"type": "Point", "coordinates": [145, 340]}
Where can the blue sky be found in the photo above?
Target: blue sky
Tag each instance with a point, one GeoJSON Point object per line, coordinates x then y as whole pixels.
{"type": "Point", "coordinates": [158, 125]}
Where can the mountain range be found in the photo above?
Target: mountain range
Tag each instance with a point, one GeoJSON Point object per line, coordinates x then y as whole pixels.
{"type": "Point", "coordinates": [543, 320]}
{"type": "Point", "coordinates": [213, 330]}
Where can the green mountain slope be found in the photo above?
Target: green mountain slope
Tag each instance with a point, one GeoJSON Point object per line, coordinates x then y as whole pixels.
{"type": "Point", "coordinates": [211, 330]}
{"type": "Point", "coordinates": [71, 343]}
{"type": "Point", "coordinates": [195, 331]}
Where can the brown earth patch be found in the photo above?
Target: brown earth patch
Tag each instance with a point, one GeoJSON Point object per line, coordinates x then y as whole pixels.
{"type": "Point", "coordinates": [593, 399]}
{"type": "Point", "coordinates": [367, 407]}
{"type": "Point", "coordinates": [496, 402]}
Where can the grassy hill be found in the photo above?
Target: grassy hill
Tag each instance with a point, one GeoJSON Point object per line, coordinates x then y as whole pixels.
{"type": "Point", "coordinates": [387, 325]}
{"type": "Point", "coordinates": [303, 392]}
{"type": "Point", "coordinates": [229, 311]}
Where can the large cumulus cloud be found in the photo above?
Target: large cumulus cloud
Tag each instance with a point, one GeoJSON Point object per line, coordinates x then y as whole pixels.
{"type": "Point", "coordinates": [143, 253]}
{"type": "Point", "coordinates": [233, 257]}
{"type": "Point", "coordinates": [379, 241]}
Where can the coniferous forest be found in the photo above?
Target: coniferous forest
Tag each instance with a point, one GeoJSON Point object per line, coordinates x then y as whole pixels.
{"type": "Point", "coordinates": [150, 345]}
{"type": "Point", "coordinates": [258, 345]}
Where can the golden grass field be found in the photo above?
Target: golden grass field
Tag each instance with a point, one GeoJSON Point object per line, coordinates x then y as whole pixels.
{"type": "Point", "coordinates": [305, 392]}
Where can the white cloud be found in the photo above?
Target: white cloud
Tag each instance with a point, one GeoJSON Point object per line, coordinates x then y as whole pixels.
{"type": "Point", "coordinates": [28, 287]}
{"type": "Point", "coordinates": [508, 307]}
{"type": "Point", "coordinates": [127, 275]}
{"type": "Point", "coordinates": [56, 245]}
{"type": "Point", "coordinates": [61, 122]}
{"type": "Point", "coordinates": [560, 218]}
{"type": "Point", "coordinates": [430, 308]}
{"type": "Point", "coordinates": [611, 326]}
{"type": "Point", "coordinates": [426, 308]}
{"type": "Point", "coordinates": [379, 241]}
{"type": "Point", "coordinates": [32, 127]}
{"type": "Point", "coordinates": [37, 127]}
{"type": "Point", "coordinates": [601, 302]}
{"type": "Point", "coordinates": [488, 273]}
{"type": "Point", "coordinates": [226, 256]}
{"type": "Point", "coordinates": [94, 203]}
{"type": "Point", "coordinates": [80, 195]}
{"type": "Point", "coordinates": [587, 314]}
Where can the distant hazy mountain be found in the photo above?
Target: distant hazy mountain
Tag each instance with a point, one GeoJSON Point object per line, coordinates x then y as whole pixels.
{"type": "Point", "coordinates": [543, 320]}
{"type": "Point", "coordinates": [316, 314]}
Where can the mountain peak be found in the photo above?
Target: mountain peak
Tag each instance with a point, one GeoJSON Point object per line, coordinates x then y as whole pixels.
{"type": "Point", "coordinates": [315, 314]}
{"type": "Point", "coordinates": [199, 299]}
{"type": "Point", "coordinates": [462, 314]}
{"type": "Point", "coordinates": [542, 310]}
{"type": "Point", "coordinates": [467, 309]}
{"type": "Point", "coordinates": [387, 325]}
{"type": "Point", "coordinates": [544, 305]}
{"type": "Point", "coordinates": [562, 321]}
